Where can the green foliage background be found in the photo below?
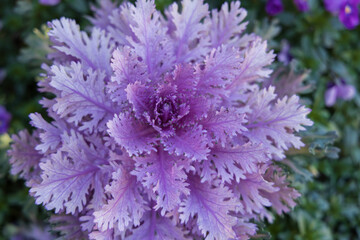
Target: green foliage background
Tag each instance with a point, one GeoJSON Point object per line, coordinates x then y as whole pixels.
{"type": "Point", "coordinates": [326, 172]}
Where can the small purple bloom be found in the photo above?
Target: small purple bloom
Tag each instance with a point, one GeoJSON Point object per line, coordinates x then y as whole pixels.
{"type": "Point", "coordinates": [339, 90]}
{"type": "Point", "coordinates": [274, 7]}
{"type": "Point", "coordinates": [4, 120]}
{"type": "Point", "coordinates": [284, 56]}
{"type": "Point", "coordinates": [302, 5]}
{"type": "Point", "coordinates": [49, 2]}
{"type": "Point", "coordinates": [347, 10]}
{"type": "Point", "coordinates": [349, 14]}
{"type": "Point", "coordinates": [333, 6]}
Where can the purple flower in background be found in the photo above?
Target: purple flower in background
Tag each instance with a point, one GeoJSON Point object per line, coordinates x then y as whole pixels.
{"type": "Point", "coordinates": [346, 9]}
{"type": "Point", "coordinates": [4, 120]}
{"type": "Point", "coordinates": [302, 5]}
{"type": "Point", "coordinates": [336, 91]}
{"type": "Point", "coordinates": [160, 128]}
{"type": "Point", "coordinates": [274, 7]}
{"type": "Point", "coordinates": [333, 6]}
{"type": "Point", "coordinates": [49, 2]}
{"type": "Point", "coordinates": [284, 56]}
{"type": "Point", "coordinates": [349, 14]}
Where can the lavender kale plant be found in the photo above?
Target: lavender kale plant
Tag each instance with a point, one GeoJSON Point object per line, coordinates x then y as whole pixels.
{"type": "Point", "coordinates": [160, 129]}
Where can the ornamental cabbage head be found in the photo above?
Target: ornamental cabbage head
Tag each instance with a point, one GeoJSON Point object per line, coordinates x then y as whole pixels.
{"type": "Point", "coordinates": [159, 126]}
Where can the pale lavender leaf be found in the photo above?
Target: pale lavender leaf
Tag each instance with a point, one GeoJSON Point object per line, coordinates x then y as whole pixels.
{"type": "Point", "coordinates": [68, 175]}
{"type": "Point", "coordinates": [244, 230]}
{"type": "Point", "coordinates": [126, 207]}
{"type": "Point", "coordinates": [160, 172]}
{"type": "Point", "coordinates": [233, 162]}
{"type": "Point", "coordinates": [212, 207]}
{"type": "Point", "coordinates": [157, 228]}
{"type": "Point", "coordinates": [220, 68]}
{"type": "Point", "coordinates": [223, 124]}
{"type": "Point", "coordinates": [250, 191]}
{"type": "Point", "coordinates": [64, 183]}
{"type": "Point", "coordinates": [94, 52]}
{"type": "Point", "coordinates": [206, 170]}
{"type": "Point", "coordinates": [190, 142]}
{"type": "Point", "coordinates": [50, 135]}
{"type": "Point", "coordinates": [139, 96]}
{"type": "Point", "coordinates": [134, 136]}
{"type": "Point", "coordinates": [102, 235]}
{"type": "Point", "coordinates": [121, 20]}
{"type": "Point", "coordinates": [273, 123]}
{"type": "Point", "coordinates": [128, 69]}
{"type": "Point", "coordinates": [102, 12]}
{"type": "Point", "coordinates": [283, 200]}
{"type": "Point", "coordinates": [227, 25]}
{"type": "Point", "coordinates": [184, 78]}
{"type": "Point", "coordinates": [191, 40]}
{"type": "Point", "coordinates": [152, 43]}
{"type": "Point", "coordinates": [253, 67]}
{"type": "Point", "coordinates": [24, 158]}
{"type": "Point", "coordinates": [68, 225]}
{"type": "Point", "coordinates": [82, 94]}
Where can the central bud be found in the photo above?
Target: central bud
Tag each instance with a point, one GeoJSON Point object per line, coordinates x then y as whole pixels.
{"type": "Point", "coordinates": [166, 110]}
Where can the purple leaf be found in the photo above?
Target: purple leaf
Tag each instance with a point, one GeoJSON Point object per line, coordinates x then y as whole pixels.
{"type": "Point", "coordinates": [127, 205]}
{"type": "Point", "coordinates": [212, 207]}
{"type": "Point", "coordinates": [157, 228]}
{"type": "Point", "coordinates": [152, 44]}
{"type": "Point", "coordinates": [24, 158]}
{"type": "Point", "coordinates": [184, 78]}
{"type": "Point", "coordinates": [160, 172]}
{"type": "Point", "coordinates": [134, 136]}
{"type": "Point", "coordinates": [252, 68]}
{"type": "Point", "coordinates": [226, 25]}
{"type": "Point", "coordinates": [68, 176]}
{"type": "Point", "coordinates": [81, 95]}
{"type": "Point", "coordinates": [244, 157]}
{"type": "Point", "coordinates": [128, 69]}
{"type": "Point", "coordinates": [244, 230]}
{"type": "Point", "coordinates": [235, 162]}
{"type": "Point", "coordinates": [250, 191]}
{"type": "Point", "coordinates": [283, 200]}
{"type": "Point", "coordinates": [224, 124]}
{"type": "Point", "coordinates": [62, 180]}
{"type": "Point", "coordinates": [94, 52]}
{"type": "Point", "coordinates": [273, 123]}
{"type": "Point", "coordinates": [102, 13]}
{"type": "Point", "coordinates": [190, 31]}
{"type": "Point", "coordinates": [121, 20]}
{"type": "Point", "coordinates": [220, 67]}
{"type": "Point", "coordinates": [50, 135]}
{"type": "Point", "coordinates": [139, 97]}
{"type": "Point", "coordinates": [69, 226]}
{"type": "Point", "coordinates": [190, 142]}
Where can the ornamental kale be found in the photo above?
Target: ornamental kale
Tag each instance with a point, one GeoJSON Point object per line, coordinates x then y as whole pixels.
{"type": "Point", "coordinates": [160, 129]}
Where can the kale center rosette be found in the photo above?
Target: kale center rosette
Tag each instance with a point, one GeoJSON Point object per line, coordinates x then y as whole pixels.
{"type": "Point", "coordinates": [160, 129]}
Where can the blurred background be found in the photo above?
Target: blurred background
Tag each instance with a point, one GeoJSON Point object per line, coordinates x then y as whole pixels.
{"type": "Point", "coordinates": [318, 51]}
